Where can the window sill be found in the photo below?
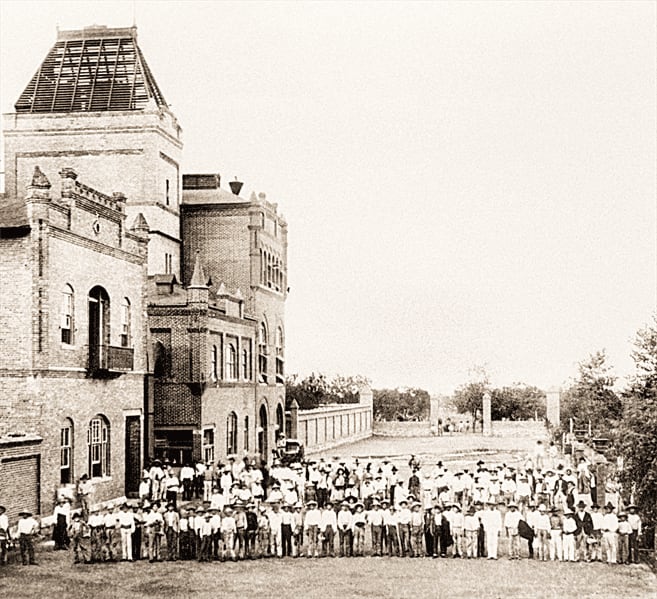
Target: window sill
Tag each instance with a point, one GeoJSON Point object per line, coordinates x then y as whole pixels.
{"type": "Point", "coordinates": [68, 346]}
{"type": "Point", "coordinates": [100, 479]}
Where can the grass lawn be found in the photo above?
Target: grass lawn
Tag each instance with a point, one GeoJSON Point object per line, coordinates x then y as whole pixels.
{"type": "Point", "coordinates": [302, 578]}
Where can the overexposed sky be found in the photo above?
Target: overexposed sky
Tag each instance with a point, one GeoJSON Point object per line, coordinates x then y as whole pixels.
{"type": "Point", "coordinates": [465, 183]}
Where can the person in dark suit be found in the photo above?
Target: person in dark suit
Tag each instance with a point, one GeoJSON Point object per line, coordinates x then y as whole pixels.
{"type": "Point", "coordinates": [583, 532]}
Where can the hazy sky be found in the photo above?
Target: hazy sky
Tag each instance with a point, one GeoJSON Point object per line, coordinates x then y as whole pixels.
{"type": "Point", "coordinates": [465, 183]}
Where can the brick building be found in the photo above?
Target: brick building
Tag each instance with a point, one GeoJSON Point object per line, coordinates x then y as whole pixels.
{"type": "Point", "coordinates": [136, 321]}
{"type": "Point", "coordinates": [219, 353]}
{"type": "Point", "coordinates": [73, 339]}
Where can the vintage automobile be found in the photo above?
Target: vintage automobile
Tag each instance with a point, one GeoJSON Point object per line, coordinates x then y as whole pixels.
{"type": "Point", "coordinates": [293, 452]}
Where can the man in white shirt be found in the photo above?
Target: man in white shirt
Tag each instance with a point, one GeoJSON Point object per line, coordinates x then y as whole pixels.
{"type": "Point", "coordinates": [542, 528]}
{"type": "Point", "coordinates": [311, 524]}
{"type": "Point", "coordinates": [471, 530]}
{"type": "Point", "coordinates": [4, 534]}
{"type": "Point", "coordinates": [276, 524]}
{"type": "Point", "coordinates": [492, 522]}
{"type": "Point", "coordinates": [345, 529]}
{"type": "Point", "coordinates": [404, 526]}
{"type": "Point", "coordinates": [610, 533]}
{"type": "Point", "coordinates": [126, 520]}
{"type": "Point", "coordinates": [375, 518]}
{"type": "Point", "coordinates": [187, 481]}
{"type": "Point", "coordinates": [327, 527]}
{"type": "Point", "coordinates": [511, 522]}
{"type": "Point", "coordinates": [26, 529]}
{"type": "Point", "coordinates": [635, 522]}
{"type": "Point", "coordinates": [153, 525]}
{"type": "Point", "coordinates": [172, 530]}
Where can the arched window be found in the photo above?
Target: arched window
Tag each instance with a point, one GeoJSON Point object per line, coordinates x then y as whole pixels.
{"type": "Point", "coordinates": [262, 353]}
{"type": "Point", "coordinates": [231, 362]}
{"type": "Point", "coordinates": [280, 360]}
{"type": "Point", "coordinates": [231, 434]}
{"type": "Point", "coordinates": [214, 363]}
{"type": "Point", "coordinates": [246, 433]}
{"type": "Point", "coordinates": [246, 359]}
{"type": "Point", "coordinates": [125, 323]}
{"type": "Point", "coordinates": [66, 323]}
{"type": "Point", "coordinates": [98, 439]}
{"type": "Point", "coordinates": [66, 452]}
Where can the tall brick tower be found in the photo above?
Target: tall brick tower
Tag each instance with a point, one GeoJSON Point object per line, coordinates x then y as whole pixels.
{"type": "Point", "coordinates": [95, 106]}
{"type": "Point", "coordinates": [243, 245]}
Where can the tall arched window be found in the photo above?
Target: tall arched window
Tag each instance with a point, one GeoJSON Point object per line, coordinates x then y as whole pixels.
{"type": "Point", "coordinates": [66, 323]}
{"type": "Point", "coordinates": [262, 353]}
{"type": "Point", "coordinates": [231, 362]}
{"type": "Point", "coordinates": [214, 363]}
{"type": "Point", "coordinates": [66, 452]}
{"type": "Point", "coordinates": [231, 434]}
{"type": "Point", "coordinates": [280, 360]}
{"type": "Point", "coordinates": [246, 359]}
{"type": "Point", "coordinates": [125, 322]}
{"type": "Point", "coordinates": [99, 328]}
{"type": "Point", "coordinates": [246, 433]}
{"type": "Point", "coordinates": [98, 439]}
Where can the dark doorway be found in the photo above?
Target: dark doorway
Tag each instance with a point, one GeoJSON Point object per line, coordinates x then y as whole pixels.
{"type": "Point", "coordinates": [132, 454]}
{"type": "Point", "coordinates": [98, 328]}
{"type": "Point", "coordinates": [280, 422]}
{"type": "Point", "coordinates": [263, 449]}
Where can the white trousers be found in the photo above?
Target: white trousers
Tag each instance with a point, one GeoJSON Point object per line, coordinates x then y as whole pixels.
{"type": "Point", "coordinates": [491, 543]}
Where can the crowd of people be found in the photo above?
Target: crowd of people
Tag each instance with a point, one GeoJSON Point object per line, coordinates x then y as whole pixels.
{"type": "Point", "coordinates": [323, 508]}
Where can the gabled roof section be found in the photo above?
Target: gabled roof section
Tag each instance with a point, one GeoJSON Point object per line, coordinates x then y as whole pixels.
{"type": "Point", "coordinates": [90, 70]}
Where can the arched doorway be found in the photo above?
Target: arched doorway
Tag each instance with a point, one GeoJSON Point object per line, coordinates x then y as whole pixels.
{"type": "Point", "coordinates": [280, 421]}
{"type": "Point", "coordinates": [263, 447]}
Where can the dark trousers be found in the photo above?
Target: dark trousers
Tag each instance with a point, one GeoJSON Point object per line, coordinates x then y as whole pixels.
{"type": "Point", "coordinates": [481, 544]}
{"type": "Point", "coordinates": [187, 489]}
{"type": "Point", "coordinates": [26, 543]}
{"type": "Point", "coordinates": [206, 546]}
{"type": "Point", "coordinates": [136, 543]}
{"type": "Point", "coordinates": [172, 544]}
{"type": "Point", "coordinates": [634, 548]}
{"type": "Point", "coordinates": [405, 539]}
{"type": "Point", "coordinates": [286, 539]}
{"type": "Point", "coordinates": [327, 543]}
{"type": "Point", "coordinates": [345, 539]}
{"type": "Point", "coordinates": [377, 539]}
{"type": "Point", "coordinates": [393, 540]}
{"type": "Point", "coordinates": [216, 544]}
{"type": "Point", "coordinates": [428, 542]}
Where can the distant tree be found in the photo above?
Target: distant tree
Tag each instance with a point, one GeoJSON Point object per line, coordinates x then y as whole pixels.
{"type": "Point", "coordinates": [401, 404]}
{"type": "Point", "coordinates": [317, 390]}
{"type": "Point", "coordinates": [637, 432]}
{"type": "Point", "coordinates": [517, 402]}
{"type": "Point", "coordinates": [468, 399]}
{"type": "Point", "coordinates": [591, 397]}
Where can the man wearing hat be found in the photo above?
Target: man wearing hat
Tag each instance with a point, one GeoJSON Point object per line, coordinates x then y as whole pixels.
{"type": "Point", "coordinates": [491, 520]}
{"type": "Point", "coordinates": [624, 532]}
{"type": "Point", "coordinates": [470, 529]}
{"type": "Point", "coordinates": [328, 526]}
{"type": "Point", "coordinates": [26, 530]}
{"type": "Point", "coordinates": [172, 531]}
{"type": "Point", "coordinates": [404, 527]}
{"type": "Point", "coordinates": [569, 527]}
{"type": "Point", "coordinates": [635, 522]}
{"type": "Point", "coordinates": [153, 525]}
{"type": "Point", "coordinates": [5, 537]}
{"type": "Point", "coordinates": [511, 522]}
{"type": "Point", "coordinates": [584, 531]}
{"type": "Point", "coordinates": [610, 533]}
{"type": "Point", "coordinates": [375, 518]}
{"type": "Point", "coordinates": [311, 525]}
{"type": "Point", "coordinates": [345, 524]}
{"type": "Point", "coordinates": [542, 530]}
{"type": "Point", "coordinates": [595, 540]}
{"type": "Point", "coordinates": [80, 533]}
{"type": "Point", "coordinates": [85, 491]}
{"type": "Point", "coordinates": [126, 522]}
{"type": "Point", "coordinates": [228, 531]}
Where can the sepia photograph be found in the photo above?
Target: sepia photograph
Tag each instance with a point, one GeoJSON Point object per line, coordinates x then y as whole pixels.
{"type": "Point", "coordinates": [328, 299]}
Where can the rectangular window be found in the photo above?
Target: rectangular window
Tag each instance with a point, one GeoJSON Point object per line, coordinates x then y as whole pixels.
{"type": "Point", "coordinates": [65, 457]}
{"type": "Point", "coordinates": [125, 324]}
{"type": "Point", "coordinates": [208, 445]}
{"type": "Point", "coordinates": [246, 359]}
{"type": "Point", "coordinates": [166, 196]}
{"type": "Point", "coordinates": [168, 263]}
{"type": "Point", "coordinates": [67, 317]}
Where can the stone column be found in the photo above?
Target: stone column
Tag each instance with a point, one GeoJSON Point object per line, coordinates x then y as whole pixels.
{"type": "Point", "coordinates": [487, 424]}
{"type": "Point", "coordinates": [553, 403]}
